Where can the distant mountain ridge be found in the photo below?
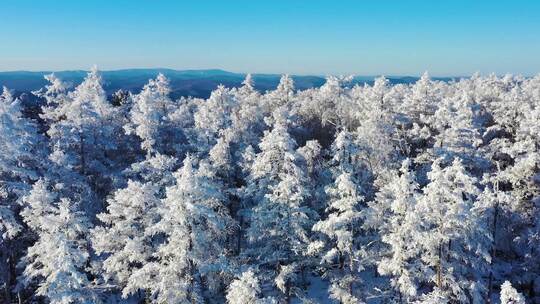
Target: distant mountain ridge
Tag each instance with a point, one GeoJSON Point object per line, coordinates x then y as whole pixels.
{"type": "Point", "coordinates": [197, 83]}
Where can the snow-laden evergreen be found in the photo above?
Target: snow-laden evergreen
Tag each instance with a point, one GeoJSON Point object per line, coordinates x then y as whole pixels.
{"type": "Point", "coordinates": [18, 161]}
{"type": "Point", "coordinates": [400, 230]}
{"type": "Point", "coordinates": [124, 239]}
{"type": "Point", "coordinates": [58, 261]}
{"type": "Point", "coordinates": [509, 295]}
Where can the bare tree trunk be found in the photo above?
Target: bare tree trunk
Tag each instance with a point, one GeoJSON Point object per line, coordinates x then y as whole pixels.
{"type": "Point", "coordinates": [439, 267]}
{"type": "Point", "coordinates": [492, 251]}
{"type": "Point", "coordinates": [493, 237]}
{"type": "Point", "coordinates": [191, 269]}
{"type": "Point", "coordinates": [82, 153]}
{"type": "Point", "coordinates": [449, 248]}
{"type": "Point", "coordinates": [239, 238]}
{"type": "Point", "coordinates": [7, 289]}
{"type": "Point", "coordinates": [11, 272]}
{"type": "Point", "coordinates": [288, 291]}
{"type": "Point", "coordinates": [341, 260]}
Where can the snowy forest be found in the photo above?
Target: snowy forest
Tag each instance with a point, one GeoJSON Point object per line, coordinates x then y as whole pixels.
{"type": "Point", "coordinates": [348, 193]}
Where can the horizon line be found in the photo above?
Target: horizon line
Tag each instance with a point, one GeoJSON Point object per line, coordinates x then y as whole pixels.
{"type": "Point", "coordinates": [323, 75]}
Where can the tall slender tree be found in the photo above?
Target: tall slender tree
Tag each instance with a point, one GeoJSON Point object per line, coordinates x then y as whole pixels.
{"type": "Point", "coordinates": [451, 236]}
{"type": "Point", "coordinates": [280, 219]}
{"type": "Point", "coordinates": [21, 155]}
{"type": "Point", "coordinates": [400, 229]}
{"type": "Point", "coordinates": [193, 223]}
{"type": "Point", "coordinates": [58, 261]}
{"type": "Point", "coordinates": [124, 240]}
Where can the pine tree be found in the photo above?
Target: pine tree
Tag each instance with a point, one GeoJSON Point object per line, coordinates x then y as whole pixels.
{"type": "Point", "coordinates": [194, 224]}
{"type": "Point", "coordinates": [509, 295]}
{"type": "Point", "coordinates": [419, 105]}
{"type": "Point", "coordinates": [421, 101]}
{"type": "Point", "coordinates": [279, 221]}
{"type": "Point", "coordinates": [124, 240]}
{"type": "Point", "coordinates": [400, 230]}
{"type": "Point", "coordinates": [149, 115]}
{"type": "Point", "coordinates": [347, 157]}
{"type": "Point", "coordinates": [245, 289]}
{"type": "Point", "coordinates": [21, 154]}
{"type": "Point", "coordinates": [451, 236]}
{"type": "Point", "coordinates": [340, 227]}
{"type": "Point", "coordinates": [214, 116]}
{"type": "Point", "coordinates": [326, 105]}
{"type": "Point", "coordinates": [84, 136]}
{"type": "Point", "coordinates": [247, 119]}
{"type": "Point", "coordinates": [58, 260]}
{"type": "Point", "coordinates": [81, 123]}
{"type": "Point", "coordinates": [283, 95]}
{"type": "Point", "coordinates": [459, 128]}
{"type": "Point", "coordinates": [18, 161]}
{"type": "Point", "coordinates": [247, 88]}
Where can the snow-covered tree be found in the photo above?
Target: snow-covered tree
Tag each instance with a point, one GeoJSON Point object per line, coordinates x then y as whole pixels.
{"type": "Point", "coordinates": [509, 295]}
{"type": "Point", "coordinates": [149, 115]}
{"type": "Point", "coordinates": [247, 89]}
{"type": "Point", "coordinates": [280, 218]}
{"type": "Point", "coordinates": [347, 158]}
{"type": "Point", "coordinates": [341, 228]}
{"type": "Point", "coordinates": [283, 95]}
{"type": "Point", "coordinates": [58, 260]}
{"type": "Point", "coordinates": [21, 157]}
{"type": "Point", "coordinates": [394, 215]}
{"type": "Point", "coordinates": [451, 235]}
{"type": "Point", "coordinates": [40, 201]}
{"type": "Point", "coordinates": [418, 105]}
{"type": "Point", "coordinates": [124, 240]}
{"type": "Point", "coordinates": [214, 116]}
{"type": "Point", "coordinates": [312, 157]}
{"type": "Point", "coordinates": [194, 223]}
{"type": "Point", "coordinates": [19, 161]}
{"type": "Point", "coordinates": [85, 137]}
{"type": "Point", "coordinates": [459, 126]}
{"type": "Point", "coordinates": [326, 105]}
{"type": "Point", "coordinates": [245, 289]}
{"type": "Point", "coordinates": [340, 290]}
{"type": "Point", "coordinates": [81, 122]}
{"type": "Point", "coordinates": [421, 102]}
{"type": "Point", "coordinates": [247, 119]}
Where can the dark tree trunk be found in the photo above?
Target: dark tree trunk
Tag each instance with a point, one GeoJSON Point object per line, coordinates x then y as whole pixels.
{"type": "Point", "coordinates": [439, 267]}
{"type": "Point", "coordinates": [492, 251]}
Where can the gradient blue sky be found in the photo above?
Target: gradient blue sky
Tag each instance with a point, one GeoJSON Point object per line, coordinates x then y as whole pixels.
{"type": "Point", "coordinates": [301, 37]}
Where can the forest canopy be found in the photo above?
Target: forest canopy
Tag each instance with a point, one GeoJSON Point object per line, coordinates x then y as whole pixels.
{"type": "Point", "coordinates": [426, 192]}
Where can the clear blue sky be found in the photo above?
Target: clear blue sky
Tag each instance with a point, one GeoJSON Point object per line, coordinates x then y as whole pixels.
{"type": "Point", "coordinates": [450, 37]}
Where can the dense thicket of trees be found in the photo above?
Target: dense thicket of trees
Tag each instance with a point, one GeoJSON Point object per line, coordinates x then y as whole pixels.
{"type": "Point", "coordinates": [425, 193]}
